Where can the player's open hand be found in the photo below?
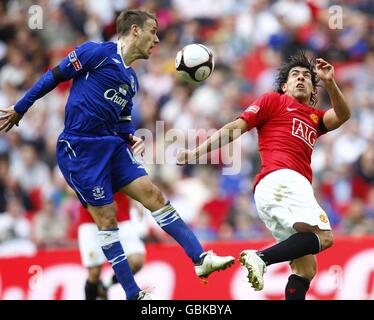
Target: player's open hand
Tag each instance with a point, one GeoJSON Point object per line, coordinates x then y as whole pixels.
{"type": "Point", "coordinates": [138, 146]}
{"type": "Point", "coordinates": [8, 118]}
{"type": "Point", "coordinates": [185, 156]}
{"type": "Point", "coordinates": [325, 70]}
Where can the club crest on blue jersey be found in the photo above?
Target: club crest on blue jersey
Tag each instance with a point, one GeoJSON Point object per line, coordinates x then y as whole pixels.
{"type": "Point", "coordinates": [98, 193]}
{"type": "Point", "coordinates": [75, 61]}
{"type": "Point", "coordinates": [123, 88]}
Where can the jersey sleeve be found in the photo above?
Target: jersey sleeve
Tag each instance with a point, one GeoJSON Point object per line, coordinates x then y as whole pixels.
{"type": "Point", "coordinates": [321, 126]}
{"type": "Point", "coordinates": [82, 59]}
{"type": "Point", "coordinates": [45, 84]}
{"type": "Point", "coordinates": [123, 129]}
{"type": "Point", "coordinates": [260, 110]}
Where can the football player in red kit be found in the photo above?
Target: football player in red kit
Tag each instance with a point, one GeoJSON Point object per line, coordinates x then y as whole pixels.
{"type": "Point", "coordinates": [92, 255]}
{"type": "Point", "coordinates": [288, 125]}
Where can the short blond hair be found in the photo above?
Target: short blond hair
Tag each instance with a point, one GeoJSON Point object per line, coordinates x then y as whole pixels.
{"type": "Point", "coordinates": [129, 17]}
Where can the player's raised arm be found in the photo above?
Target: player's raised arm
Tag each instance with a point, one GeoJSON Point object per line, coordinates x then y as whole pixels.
{"type": "Point", "coordinates": [223, 136]}
{"type": "Point", "coordinates": [81, 60]}
{"type": "Point", "coordinates": [340, 112]}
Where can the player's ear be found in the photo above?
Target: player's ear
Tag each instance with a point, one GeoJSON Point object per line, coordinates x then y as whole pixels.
{"type": "Point", "coordinates": [284, 87]}
{"type": "Point", "coordinates": [135, 30]}
{"type": "Point", "coordinates": [314, 91]}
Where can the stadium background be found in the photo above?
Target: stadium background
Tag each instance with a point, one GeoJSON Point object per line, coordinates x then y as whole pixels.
{"type": "Point", "coordinates": [250, 39]}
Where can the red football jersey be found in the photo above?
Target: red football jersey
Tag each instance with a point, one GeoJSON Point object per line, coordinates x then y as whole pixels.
{"type": "Point", "coordinates": [122, 204]}
{"type": "Point", "coordinates": [287, 132]}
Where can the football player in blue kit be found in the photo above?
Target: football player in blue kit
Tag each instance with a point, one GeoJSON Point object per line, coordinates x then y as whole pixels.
{"type": "Point", "coordinates": [95, 151]}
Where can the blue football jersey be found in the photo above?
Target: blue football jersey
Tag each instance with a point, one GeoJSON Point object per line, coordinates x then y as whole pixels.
{"type": "Point", "coordinates": [100, 99]}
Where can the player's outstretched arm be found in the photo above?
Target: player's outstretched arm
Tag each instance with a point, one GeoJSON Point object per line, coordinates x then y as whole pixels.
{"type": "Point", "coordinates": [84, 58]}
{"type": "Point", "coordinates": [340, 111]}
{"type": "Point", "coordinates": [223, 136]}
{"type": "Point", "coordinates": [12, 115]}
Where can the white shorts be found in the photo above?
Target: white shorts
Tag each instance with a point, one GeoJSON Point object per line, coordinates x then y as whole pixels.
{"type": "Point", "coordinates": [89, 247]}
{"type": "Point", "coordinates": [285, 197]}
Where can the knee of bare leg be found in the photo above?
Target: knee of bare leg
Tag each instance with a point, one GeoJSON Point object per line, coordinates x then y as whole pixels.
{"type": "Point", "coordinates": [310, 272]}
{"type": "Point", "coordinates": [108, 222]}
{"type": "Point", "coordinates": [327, 239]}
{"type": "Point", "coordinates": [94, 274]}
{"type": "Point", "coordinates": [305, 269]}
{"type": "Point", "coordinates": [155, 199]}
{"type": "Point", "coordinates": [105, 216]}
{"type": "Point", "coordinates": [330, 240]}
{"type": "Point", "coordinates": [136, 262]}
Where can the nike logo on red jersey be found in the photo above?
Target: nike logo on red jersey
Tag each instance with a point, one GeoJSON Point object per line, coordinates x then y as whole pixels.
{"type": "Point", "coordinates": [291, 109]}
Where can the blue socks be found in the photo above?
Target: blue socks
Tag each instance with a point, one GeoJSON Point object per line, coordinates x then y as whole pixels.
{"type": "Point", "coordinates": [113, 251]}
{"type": "Point", "coordinates": [169, 220]}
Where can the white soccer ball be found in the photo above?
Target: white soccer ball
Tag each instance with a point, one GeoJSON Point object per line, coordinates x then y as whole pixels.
{"type": "Point", "coordinates": [194, 63]}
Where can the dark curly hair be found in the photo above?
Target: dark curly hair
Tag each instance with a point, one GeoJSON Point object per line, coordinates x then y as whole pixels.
{"type": "Point", "coordinates": [298, 60]}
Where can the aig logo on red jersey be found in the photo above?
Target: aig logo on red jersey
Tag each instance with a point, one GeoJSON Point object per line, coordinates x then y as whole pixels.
{"type": "Point", "coordinates": [304, 131]}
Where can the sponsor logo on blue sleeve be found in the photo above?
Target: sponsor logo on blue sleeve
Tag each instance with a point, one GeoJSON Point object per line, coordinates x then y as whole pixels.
{"type": "Point", "coordinates": [75, 61]}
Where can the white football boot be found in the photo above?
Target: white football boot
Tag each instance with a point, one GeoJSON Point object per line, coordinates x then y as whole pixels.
{"type": "Point", "coordinates": [143, 295]}
{"type": "Point", "coordinates": [256, 268]}
{"type": "Point", "coordinates": [211, 262]}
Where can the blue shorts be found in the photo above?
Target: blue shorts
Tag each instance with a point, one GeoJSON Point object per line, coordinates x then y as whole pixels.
{"type": "Point", "coordinates": [96, 167]}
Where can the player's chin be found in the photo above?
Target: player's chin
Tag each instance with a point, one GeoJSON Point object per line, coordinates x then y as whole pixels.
{"type": "Point", "coordinates": [300, 94]}
{"type": "Point", "coordinates": [146, 55]}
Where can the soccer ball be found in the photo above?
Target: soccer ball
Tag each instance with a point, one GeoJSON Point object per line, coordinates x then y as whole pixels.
{"type": "Point", "coordinates": [194, 63]}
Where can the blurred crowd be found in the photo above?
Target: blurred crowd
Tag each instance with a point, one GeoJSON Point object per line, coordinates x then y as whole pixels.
{"type": "Point", "coordinates": [250, 40]}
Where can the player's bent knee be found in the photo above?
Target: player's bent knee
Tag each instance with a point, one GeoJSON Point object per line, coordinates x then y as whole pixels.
{"type": "Point", "coordinates": [107, 222]}
{"type": "Point", "coordinates": [104, 216]}
{"type": "Point", "coordinates": [94, 274]}
{"type": "Point", "coordinates": [304, 267]}
{"type": "Point", "coordinates": [136, 262]}
{"type": "Point", "coordinates": [309, 272]}
{"type": "Point", "coordinates": [154, 199]}
{"type": "Point", "coordinates": [327, 239]}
